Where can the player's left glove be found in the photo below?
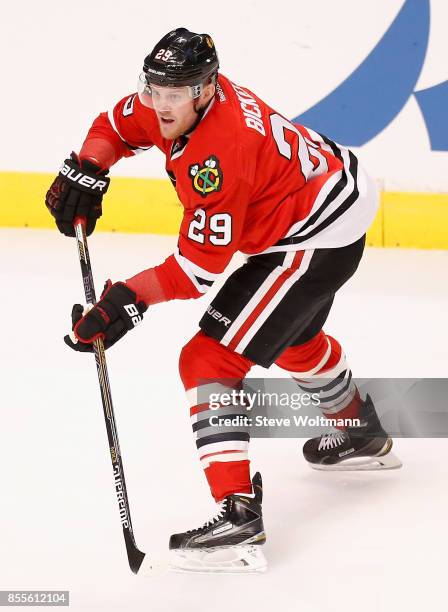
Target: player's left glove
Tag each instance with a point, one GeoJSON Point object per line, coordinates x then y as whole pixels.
{"type": "Point", "coordinates": [110, 319]}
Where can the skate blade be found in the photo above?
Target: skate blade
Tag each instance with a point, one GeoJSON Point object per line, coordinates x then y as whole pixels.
{"type": "Point", "coordinates": [384, 460]}
{"type": "Point", "coordinates": [221, 560]}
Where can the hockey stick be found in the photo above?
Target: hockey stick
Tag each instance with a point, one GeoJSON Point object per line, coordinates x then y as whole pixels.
{"type": "Point", "coordinates": [135, 556]}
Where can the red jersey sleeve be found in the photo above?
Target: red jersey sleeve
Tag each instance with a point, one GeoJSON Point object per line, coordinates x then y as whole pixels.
{"type": "Point", "coordinates": [128, 129]}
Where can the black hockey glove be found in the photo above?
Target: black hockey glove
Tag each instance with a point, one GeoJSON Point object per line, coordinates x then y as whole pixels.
{"type": "Point", "coordinates": [110, 319]}
{"type": "Point", "coordinates": [77, 191]}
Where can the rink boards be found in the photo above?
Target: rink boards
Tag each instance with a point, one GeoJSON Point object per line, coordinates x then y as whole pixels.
{"type": "Point", "coordinates": [405, 219]}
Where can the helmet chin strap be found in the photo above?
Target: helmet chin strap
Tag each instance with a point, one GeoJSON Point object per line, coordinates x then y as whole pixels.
{"type": "Point", "coordinates": [199, 114]}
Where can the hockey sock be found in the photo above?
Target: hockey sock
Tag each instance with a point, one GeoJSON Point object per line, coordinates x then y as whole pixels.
{"type": "Point", "coordinates": [211, 374]}
{"type": "Point", "coordinates": [320, 366]}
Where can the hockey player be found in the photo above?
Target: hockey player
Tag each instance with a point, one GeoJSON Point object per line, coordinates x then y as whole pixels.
{"type": "Point", "coordinates": [297, 204]}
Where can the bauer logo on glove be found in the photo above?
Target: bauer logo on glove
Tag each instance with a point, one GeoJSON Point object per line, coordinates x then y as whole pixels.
{"type": "Point", "coordinates": [132, 311]}
{"type": "Point", "coordinates": [83, 179]}
{"type": "Point", "coordinates": [110, 319]}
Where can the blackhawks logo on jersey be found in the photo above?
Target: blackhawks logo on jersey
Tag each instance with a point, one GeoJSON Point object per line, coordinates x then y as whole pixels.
{"type": "Point", "coordinates": [208, 177]}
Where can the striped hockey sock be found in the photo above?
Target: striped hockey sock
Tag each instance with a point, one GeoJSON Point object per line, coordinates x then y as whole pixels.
{"type": "Point", "coordinates": [211, 373]}
{"type": "Point", "coordinates": [320, 366]}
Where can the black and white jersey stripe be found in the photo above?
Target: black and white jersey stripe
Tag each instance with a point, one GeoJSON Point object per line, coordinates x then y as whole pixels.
{"type": "Point", "coordinates": [342, 195]}
{"type": "Point", "coordinates": [343, 209]}
{"type": "Point", "coordinates": [202, 279]}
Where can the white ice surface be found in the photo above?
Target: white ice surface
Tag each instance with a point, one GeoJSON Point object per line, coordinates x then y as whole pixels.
{"type": "Point", "coordinates": [359, 541]}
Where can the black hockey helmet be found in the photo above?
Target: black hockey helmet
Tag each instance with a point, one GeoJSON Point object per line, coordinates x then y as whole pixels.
{"type": "Point", "coordinates": [182, 58]}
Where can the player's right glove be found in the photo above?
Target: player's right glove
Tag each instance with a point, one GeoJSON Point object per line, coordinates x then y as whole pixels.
{"type": "Point", "coordinates": [77, 191]}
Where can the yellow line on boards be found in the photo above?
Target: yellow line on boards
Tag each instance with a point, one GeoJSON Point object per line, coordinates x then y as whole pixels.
{"type": "Point", "coordinates": [417, 220]}
{"type": "Point", "coordinates": [131, 204]}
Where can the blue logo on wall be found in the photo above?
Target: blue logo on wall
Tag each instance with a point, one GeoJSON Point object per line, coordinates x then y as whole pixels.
{"type": "Point", "coordinates": [374, 94]}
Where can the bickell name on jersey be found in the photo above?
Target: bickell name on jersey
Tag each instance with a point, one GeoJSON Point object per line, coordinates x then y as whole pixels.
{"type": "Point", "coordinates": [249, 180]}
{"type": "Point", "coordinates": [251, 110]}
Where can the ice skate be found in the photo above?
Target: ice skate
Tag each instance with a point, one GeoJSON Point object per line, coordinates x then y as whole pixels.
{"type": "Point", "coordinates": [230, 542]}
{"type": "Point", "coordinates": [367, 447]}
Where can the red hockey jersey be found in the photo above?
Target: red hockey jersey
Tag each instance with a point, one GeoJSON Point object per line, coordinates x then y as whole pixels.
{"type": "Point", "coordinates": [248, 179]}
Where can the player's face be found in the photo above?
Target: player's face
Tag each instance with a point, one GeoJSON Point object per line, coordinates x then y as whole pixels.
{"type": "Point", "coordinates": [175, 109]}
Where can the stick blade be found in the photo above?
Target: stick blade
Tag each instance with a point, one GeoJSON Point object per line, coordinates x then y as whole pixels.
{"type": "Point", "coordinates": [135, 558]}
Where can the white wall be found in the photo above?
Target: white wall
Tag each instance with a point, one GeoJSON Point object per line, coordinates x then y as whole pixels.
{"type": "Point", "coordinates": [64, 62]}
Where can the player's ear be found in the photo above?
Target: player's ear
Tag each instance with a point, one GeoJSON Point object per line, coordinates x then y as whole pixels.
{"type": "Point", "coordinates": [207, 94]}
